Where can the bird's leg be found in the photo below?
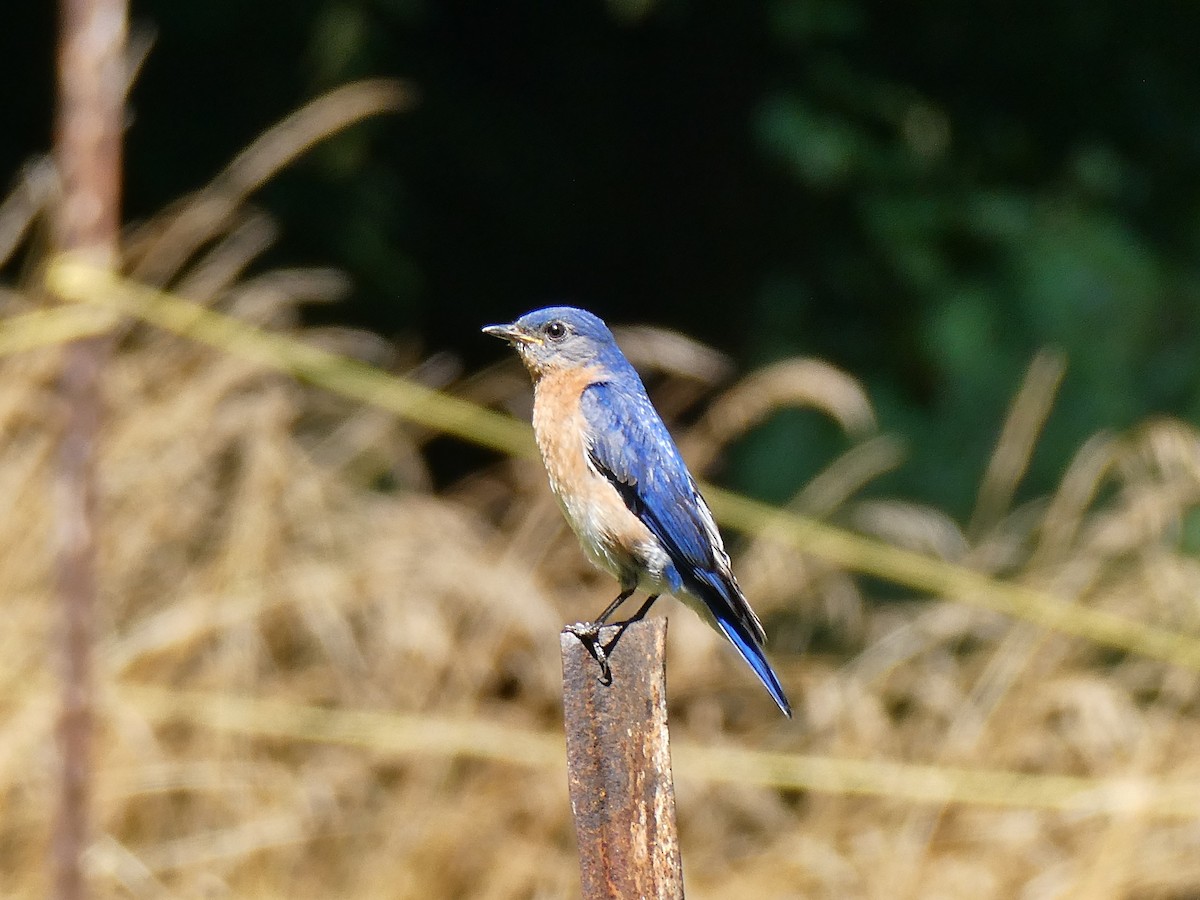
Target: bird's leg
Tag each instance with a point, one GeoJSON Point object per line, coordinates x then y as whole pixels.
{"type": "Point", "coordinates": [602, 650]}
{"type": "Point", "coordinates": [642, 610]}
{"type": "Point", "coordinates": [615, 605]}
{"type": "Point", "coordinates": [589, 634]}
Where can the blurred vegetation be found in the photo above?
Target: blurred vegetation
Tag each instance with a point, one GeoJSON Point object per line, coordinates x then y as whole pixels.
{"type": "Point", "coordinates": [313, 687]}
{"type": "Point", "coordinates": [998, 178]}
{"type": "Point", "coordinates": [939, 265]}
{"type": "Point", "coordinates": [925, 195]}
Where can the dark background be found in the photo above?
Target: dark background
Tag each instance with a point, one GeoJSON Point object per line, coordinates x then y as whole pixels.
{"type": "Point", "coordinates": [924, 194]}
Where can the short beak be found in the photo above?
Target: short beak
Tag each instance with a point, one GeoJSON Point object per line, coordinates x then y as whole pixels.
{"type": "Point", "coordinates": [511, 333]}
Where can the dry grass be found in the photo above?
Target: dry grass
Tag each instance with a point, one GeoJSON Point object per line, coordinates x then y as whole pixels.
{"type": "Point", "coordinates": [311, 687]}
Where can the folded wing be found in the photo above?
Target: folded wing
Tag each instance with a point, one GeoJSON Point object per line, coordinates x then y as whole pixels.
{"type": "Point", "coordinates": [629, 444]}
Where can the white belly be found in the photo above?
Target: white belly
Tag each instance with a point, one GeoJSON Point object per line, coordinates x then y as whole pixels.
{"type": "Point", "coordinates": [614, 539]}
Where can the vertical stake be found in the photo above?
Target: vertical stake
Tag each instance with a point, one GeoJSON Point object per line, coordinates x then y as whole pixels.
{"type": "Point", "coordinates": [89, 123]}
{"type": "Point", "coordinates": [619, 766]}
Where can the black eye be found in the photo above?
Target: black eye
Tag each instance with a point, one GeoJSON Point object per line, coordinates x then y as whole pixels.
{"type": "Point", "coordinates": [555, 330]}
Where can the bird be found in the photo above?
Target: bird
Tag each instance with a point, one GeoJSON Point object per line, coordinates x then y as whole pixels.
{"type": "Point", "coordinates": [622, 484]}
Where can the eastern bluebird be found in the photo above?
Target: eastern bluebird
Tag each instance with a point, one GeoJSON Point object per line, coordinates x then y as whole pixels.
{"type": "Point", "coordinates": [622, 484]}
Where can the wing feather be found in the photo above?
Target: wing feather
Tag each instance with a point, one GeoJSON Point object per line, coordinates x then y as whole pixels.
{"type": "Point", "coordinates": [629, 444]}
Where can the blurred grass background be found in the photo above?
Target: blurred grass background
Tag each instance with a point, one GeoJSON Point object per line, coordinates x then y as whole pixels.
{"type": "Point", "coordinates": [925, 197]}
{"type": "Point", "coordinates": [327, 664]}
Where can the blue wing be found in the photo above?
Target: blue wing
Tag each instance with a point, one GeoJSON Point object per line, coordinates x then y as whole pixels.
{"type": "Point", "coordinates": [632, 448]}
{"type": "Point", "coordinates": [629, 444]}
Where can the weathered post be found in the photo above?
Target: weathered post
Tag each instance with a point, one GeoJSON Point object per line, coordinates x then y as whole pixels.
{"type": "Point", "coordinates": [619, 766]}
{"type": "Point", "coordinates": [89, 123]}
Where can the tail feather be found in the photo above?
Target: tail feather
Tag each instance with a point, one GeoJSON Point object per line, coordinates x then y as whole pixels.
{"type": "Point", "coordinates": [753, 654]}
{"type": "Point", "coordinates": [731, 613]}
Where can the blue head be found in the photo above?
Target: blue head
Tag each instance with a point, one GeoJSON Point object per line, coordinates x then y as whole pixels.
{"type": "Point", "coordinates": [562, 337]}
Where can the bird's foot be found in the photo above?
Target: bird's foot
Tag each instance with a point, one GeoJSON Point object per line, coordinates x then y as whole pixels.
{"type": "Point", "coordinates": [588, 634]}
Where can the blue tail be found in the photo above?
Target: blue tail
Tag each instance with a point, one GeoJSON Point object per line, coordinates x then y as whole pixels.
{"type": "Point", "coordinates": [753, 654]}
{"type": "Point", "coordinates": [732, 614]}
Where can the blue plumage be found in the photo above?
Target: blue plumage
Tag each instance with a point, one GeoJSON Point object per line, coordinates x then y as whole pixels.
{"type": "Point", "coordinates": [631, 446]}
{"type": "Point", "coordinates": [593, 403]}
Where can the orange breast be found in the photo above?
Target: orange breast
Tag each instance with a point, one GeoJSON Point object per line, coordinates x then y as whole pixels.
{"type": "Point", "coordinates": [613, 537]}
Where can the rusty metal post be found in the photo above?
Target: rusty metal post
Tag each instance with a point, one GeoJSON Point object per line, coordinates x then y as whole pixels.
{"type": "Point", "coordinates": [90, 120]}
{"type": "Point", "coordinates": [619, 766]}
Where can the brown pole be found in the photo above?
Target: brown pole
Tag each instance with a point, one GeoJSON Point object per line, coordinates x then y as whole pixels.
{"type": "Point", "coordinates": [619, 766]}
{"type": "Point", "coordinates": [87, 152]}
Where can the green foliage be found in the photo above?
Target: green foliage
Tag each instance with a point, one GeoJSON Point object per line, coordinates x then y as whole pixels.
{"type": "Point", "coordinates": [992, 222]}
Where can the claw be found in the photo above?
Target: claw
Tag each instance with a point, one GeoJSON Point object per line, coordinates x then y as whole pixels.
{"type": "Point", "coordinates": [588, 634]}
